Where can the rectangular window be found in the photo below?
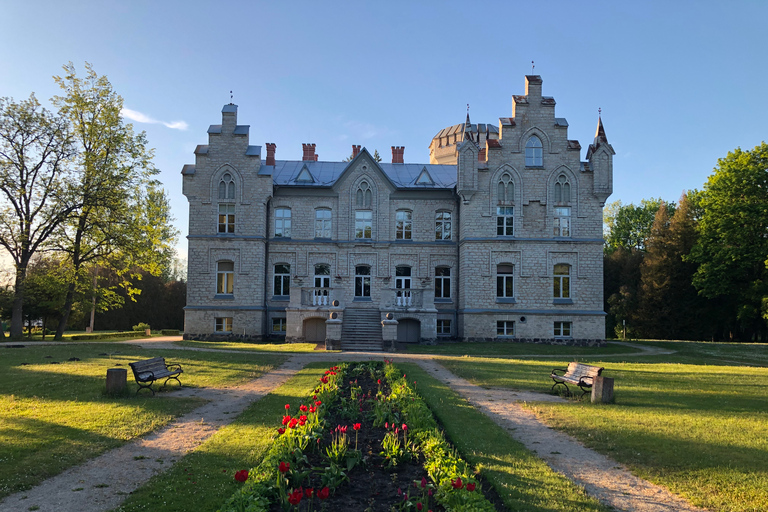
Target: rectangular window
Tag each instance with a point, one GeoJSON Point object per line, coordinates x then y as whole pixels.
{"type": "Point", "coordinates": [322, 223]}
{"type": "Point", "coordinates": [226, 218]}
{"type": "Point", "coordinates": [505, 282]}
{"type": "Point", "coordinates": [283, 222]}
{"type": "Point", "coordinates": [505, 221]}
{"type": "Point", "coordinates": [282, 282]}
{"type": "Point", "coordinates": [562, 221]}
{"type": "Point", "coordinates": [278, 325]}
{"type": "Point", "coordinates": [442, 283]}
{"type": "Point", "coordinates": [562, 329]}
{"type": "Point", "coordinates": [505, 328]}
{"type": "Point", "coordinates": [443, 327]}
{"type": "Point", "coordinates": [362, 281]}
{"type": "Point", "coordinates": [443, 226]}
{"type": "Point", "coordinates": [225, 277]}
{"type": "Point", "coordinates": [224, 324]}
{"type": "Point", "coordinates": [404, 225]}
{"type": "Point", "coordinates": [561, 288]}
{"type": "Point", "coordinates": [363, 224]}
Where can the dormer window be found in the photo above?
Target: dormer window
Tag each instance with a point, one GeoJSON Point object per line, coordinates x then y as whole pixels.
{"type": "Point", "coordinates": [534, 152]}
{"type": "Point", "coordinates": [305, 176]}
{"type": "Point", "coordinates": [227, 187]}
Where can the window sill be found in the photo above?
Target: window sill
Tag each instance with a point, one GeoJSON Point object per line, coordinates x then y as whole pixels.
{"type": "Point", "coordinates": [505, 336]}
{"type": "Point", "coordinates": [443, 300]}
{"type": "Point", "coordinates": [505, 300]}
{"type": "Point", "coordinates": [361, 299]}
{"type": "Point", "coordinates": [562, 301]}
{"type": "Point", "coordinates": [224, 296]}
{"type": "Point", "coordinates": [222, 332]}
{"type": "Point", "coordinates": [281, 298]}
{"type": "Point", "coordinates": [506, 237]}
{"type": "Point", "coordinates": [534, 166]}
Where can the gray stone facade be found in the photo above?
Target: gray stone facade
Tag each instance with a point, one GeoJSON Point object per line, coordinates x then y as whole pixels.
{"type": "Point", "coordinates": [504, 242]}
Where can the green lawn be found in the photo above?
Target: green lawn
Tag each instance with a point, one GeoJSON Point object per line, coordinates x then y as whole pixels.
{"type": "Point", "coordinates": [204, 479]}
{"type": "Point", "coordinates": [694, 422]}
{"type": "Point", "coordinates": [53, 416]}
{"type": "Point", "coordinates": [517, 350]}
{"type": "Point", "coordinates": [251, 347]}
{"type": "Point", "coordinates": [522, 480]}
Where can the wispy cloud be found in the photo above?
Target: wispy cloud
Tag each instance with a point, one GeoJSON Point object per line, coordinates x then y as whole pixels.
{"type": "Point", "coordinates": [138, 117]}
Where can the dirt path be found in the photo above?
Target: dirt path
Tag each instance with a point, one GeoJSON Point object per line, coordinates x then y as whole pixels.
{"type": "Point", "coordinates": [102, 483]}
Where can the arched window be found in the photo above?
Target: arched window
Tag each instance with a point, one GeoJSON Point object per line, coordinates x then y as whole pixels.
{"type": "Point", "coordinates": [322, 223]}
{"type": "Point", "coordinates": [562, 189]}
{"type": "Point", "coordinates": [561, 288]}
{"type": "Point", "coordinates": [505, 190]}
{"type": "Point", "coordinates": [225, 277]}
{"type": "Point", "coordinates": [364, 196]}
{"type": "Point", "coordinates": [505, 281]}
{"type": "Point", "coordinates": [534, 152]}
{"type": "Point", "coordinates": [227, 187]}
{"type": "Point", "coordinates": [404, 225]}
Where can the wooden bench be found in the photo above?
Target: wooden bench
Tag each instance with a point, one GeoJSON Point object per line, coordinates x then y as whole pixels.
{"type": "Point", "coordinates": [578, 374]}
{"type": "Point", "coordinates": [148, 371]}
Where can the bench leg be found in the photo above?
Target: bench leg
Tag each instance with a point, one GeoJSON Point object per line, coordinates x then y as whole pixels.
{"type": "Point", "coordinates": [147, 386]}
{"type": "Point", "coordinates": [567, 391]}
{"type": "Point", "coordinates": [174, 378]}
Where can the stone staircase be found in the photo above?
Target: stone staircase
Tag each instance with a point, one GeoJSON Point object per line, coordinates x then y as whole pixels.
{"type": "Point", "coordinates": [361, 330]}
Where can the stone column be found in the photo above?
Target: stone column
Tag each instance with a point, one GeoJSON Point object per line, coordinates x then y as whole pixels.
{"type": "Point", "coordinates": [602, 390]}
{"type": "Point", "coordinates": [389, 331]}
{"type": "Point", "coordinates": [333, 327]}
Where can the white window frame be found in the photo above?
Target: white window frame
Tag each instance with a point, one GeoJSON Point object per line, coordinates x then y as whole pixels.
{"type": "Point", "coordinates": [323, 222]}
{"type": "Point", "coordinates": [443, 225]}
{"type": "Point", "coordinates": [505, 328]}
{"type": "Point", "coordinates": [562, 221]}
{"type": "Point", "coordinates": [563, 329]}
{"type": "Point", "coordinates": [363, 225]}
{"type": "Point", "coordinates": [225, 277]}
{"type": "Point", "coordinates": [223, 324]}
{"type": "Point", "coordinates": [281, 325]}
{"type": "Point", "coordinates": [281, 281]}
{"type": "Point", "coordinates": [362, 282]}
{"type": "Point", "coordinates": [404, 225]}
{"type": "Point", "coordinates": [534, 152]}
{"type": "Point", "coordinates": [504, 280]}
{"type": "Point", "coordinates": [505, 221]}
{"type": "Point", "coordinates": [282, 222]}
{"type": "Point", "coordinates": [226, 218]}
{"type": "Point", "coordinates": [561, 282]}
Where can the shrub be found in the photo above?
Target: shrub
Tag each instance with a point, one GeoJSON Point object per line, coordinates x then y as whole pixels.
{"type": "Point", "coordinates": [141, 327]}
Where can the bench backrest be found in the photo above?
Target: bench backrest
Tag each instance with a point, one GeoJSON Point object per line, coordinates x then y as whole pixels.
{"type": "Point", "coordinates": [156, 365]}
{"type": "Point", "coordinates": [578, 370]}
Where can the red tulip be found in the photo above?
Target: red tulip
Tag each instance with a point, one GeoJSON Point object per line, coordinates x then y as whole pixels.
{"type": "Point", "coordinates": [419, 506]}
{"type": "Point", "coordinates": [318, 403]}
{"type": "Point", "coordinates": [323, 493]}
{"type": "Point", "coordinates": [457, 484]}
{"type": "Point", "coordinates": [295, 497]}
{"type": "Point", "coordinates": [423, 482]}
{"type": "Point", "coordinates": [280, 431]}
{"type": "Point", "coordinates": [242, 475]}
{"type": "Point", "coordinates": [292, 423]}
{"type": "Point", "coordinates": [286, 419]}
{"type": "Point", "coordinates": [303, 408]}
{"type": "Point", "coordinates": [287, 406]}
{"type": "Point", "coordinates": [470, 487]}
{"type": "Point", "coordinates": [309, 492]}
{"type": "Point", "coordinates": [356, 426]}
{"type": "Point", "coordinates": [284, 467]}
{"type": "Point", "coordinates": [378, 382]}
{"type": "Point", "coordinates": [405, 427]}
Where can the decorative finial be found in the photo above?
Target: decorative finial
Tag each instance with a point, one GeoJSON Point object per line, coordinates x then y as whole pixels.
{"type": "Point", "coordinates": [231, 96]}
{"type": "Point", "coordinates": [467, 108]}
{"type": "Point", "coordinates": [533, 66]}
{"type": "Point", "coordinates": [599, 111]}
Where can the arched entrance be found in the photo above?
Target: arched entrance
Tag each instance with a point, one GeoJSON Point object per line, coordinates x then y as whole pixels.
{"type": "Point", "coordinates": [314, 330]}
{"type": "Point", "coordinates": [408, 330]}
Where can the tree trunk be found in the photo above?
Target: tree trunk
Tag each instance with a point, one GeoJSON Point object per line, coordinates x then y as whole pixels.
{"type": "Point", "coordinates": [65, 311]}
{"type": "Point", "coordinates": [17, 317]}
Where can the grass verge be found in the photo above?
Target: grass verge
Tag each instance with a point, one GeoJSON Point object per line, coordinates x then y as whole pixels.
{"type": "Point", "coordinates": [523, 480]}
{"type": "Point", "coordinates": [54, 416]}
{"type": "Point", "coordinates": [516, 350]}
{"type": "Point", "coordinates": [252, 347]}
{"type": "Point", "coordinates": [695, 427]}
{"type": "Point", "coordinates": [204, 479]}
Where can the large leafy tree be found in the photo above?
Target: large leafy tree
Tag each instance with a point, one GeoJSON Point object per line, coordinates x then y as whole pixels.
{"type": "Point", "coordinates": [628, 226]}
{"type": "Point", "coordinates": [733, 239]}
{"type": "Point", "coordinates": [35, 146]}
{"type": "Point", "coordinates": [114, 168]}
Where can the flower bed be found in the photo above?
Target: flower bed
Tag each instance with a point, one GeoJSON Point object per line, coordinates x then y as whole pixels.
{"type": "Point", "coordinates": [364, 440]}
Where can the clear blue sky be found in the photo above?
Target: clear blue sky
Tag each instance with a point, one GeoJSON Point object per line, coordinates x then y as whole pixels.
{"type": "Point", "coordinates": [680, 83]}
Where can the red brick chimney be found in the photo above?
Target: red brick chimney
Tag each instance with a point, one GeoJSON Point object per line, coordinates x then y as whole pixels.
{"type": "Point", "coordinates": [271, 147]}
{"type": "Point", "coordinates": [481, 155]}
{"type": "Point", "coordinates": [355, 150]}
{"type": "Point", "coordinates": [309, 152]}
{"type": "Point", "coordinates": [397, 154]}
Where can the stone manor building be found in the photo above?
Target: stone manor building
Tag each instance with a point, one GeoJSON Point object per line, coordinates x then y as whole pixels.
{"type": "Point", "coordinates": [499, 237]}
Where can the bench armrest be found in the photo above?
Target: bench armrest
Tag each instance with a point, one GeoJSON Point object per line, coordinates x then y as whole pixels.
{"type": "Point", "coordinates": [582, 381]}
{"type": "Point", "coordinates": [564, 370]}
{"type": "Point", "coordinates": [173, 366]}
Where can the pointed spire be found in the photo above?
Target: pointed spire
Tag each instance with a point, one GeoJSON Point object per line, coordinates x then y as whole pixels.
{"type": "Point", "coordinates": [600, 132]}
{"type": "Point", "coordinates": [468, 128]}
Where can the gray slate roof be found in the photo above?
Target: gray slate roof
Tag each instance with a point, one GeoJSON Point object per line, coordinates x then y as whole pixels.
{"type": "Point", "coordinates": [325, 174]}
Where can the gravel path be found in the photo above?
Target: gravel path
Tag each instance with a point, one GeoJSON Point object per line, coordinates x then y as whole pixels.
{"type": "Point", "coordinates": [102, 483]}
